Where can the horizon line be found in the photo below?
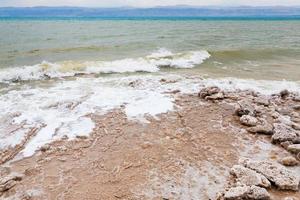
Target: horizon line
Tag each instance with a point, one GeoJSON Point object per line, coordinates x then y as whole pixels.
{"type": "Point", "coordinates": [171, 6]}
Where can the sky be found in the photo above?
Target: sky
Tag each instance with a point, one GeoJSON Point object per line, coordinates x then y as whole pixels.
{"type": "Point", "coordinates": [147, 3]}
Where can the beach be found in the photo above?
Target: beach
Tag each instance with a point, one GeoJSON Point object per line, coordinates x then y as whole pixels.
{"type": "Point", "coordinates": [149, 109]}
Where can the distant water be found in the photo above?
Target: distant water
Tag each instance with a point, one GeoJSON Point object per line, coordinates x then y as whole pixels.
{"type": "Point", "coordinates": [255, 48]}
{"type": "Point", "coordinates": [54, 73]}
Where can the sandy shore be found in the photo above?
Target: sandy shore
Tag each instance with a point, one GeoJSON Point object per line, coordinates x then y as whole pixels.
{"type": "Point", "coordinates": [188, 153]}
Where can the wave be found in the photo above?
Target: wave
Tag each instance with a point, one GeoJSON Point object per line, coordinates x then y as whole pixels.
{"type": "Point", "coordinates": [150, 63]}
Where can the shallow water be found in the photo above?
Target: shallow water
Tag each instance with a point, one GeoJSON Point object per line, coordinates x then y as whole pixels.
{"type": "Point", "coordinates": [240, 48]}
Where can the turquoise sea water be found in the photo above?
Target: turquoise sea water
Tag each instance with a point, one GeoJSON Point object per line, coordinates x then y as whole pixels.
{"type": "Point", "coordinates": [266, 48]}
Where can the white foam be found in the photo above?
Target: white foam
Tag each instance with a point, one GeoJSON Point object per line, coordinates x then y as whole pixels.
{"type": "Point", "coordinates": [151, 63]}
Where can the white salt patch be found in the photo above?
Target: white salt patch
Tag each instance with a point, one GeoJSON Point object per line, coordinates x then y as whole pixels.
{"type": "Point", "coordinates": [153, 104]}
{"type": "Point", "coordinates": [12, 139]}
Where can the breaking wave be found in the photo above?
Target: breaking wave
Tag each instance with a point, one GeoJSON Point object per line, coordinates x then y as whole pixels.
{"type": "Point", "coordinates": [150, 63]}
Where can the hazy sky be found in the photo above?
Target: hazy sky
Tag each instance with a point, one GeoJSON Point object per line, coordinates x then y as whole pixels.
{"type": "Point", "coordinates": [145, 3]}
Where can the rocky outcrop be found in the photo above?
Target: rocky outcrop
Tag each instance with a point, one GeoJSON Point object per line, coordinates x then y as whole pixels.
{"type": "Point", "coordinates": [248, 177]}
{"type": "Point", "coordinates": [276, 173]}
{"type": "Point", "coordinates": [247, 192]}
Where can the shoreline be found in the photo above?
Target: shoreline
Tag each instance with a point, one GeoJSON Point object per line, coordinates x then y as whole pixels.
{"type": "Point", "coordinates": [183, 154]}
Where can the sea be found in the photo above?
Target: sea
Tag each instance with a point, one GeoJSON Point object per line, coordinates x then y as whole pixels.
{"type": "Point", "coordinates": [57, 72]}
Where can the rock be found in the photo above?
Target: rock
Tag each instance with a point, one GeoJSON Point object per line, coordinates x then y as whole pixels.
{"type": "Point", "coordinates": [208, 92]}
{"type": "Point", "coordinates": [276, 173]}
{"type": "Point", "coordinates": [82, 137]}
{"type": "Point", "coordinates": [247, 192]}
{"type": "Point", "coordinates": [45, 148]}
{"type": "Point", "coordinates": [294, 148]}
{"type": "Point", "coordinates": [264, 128]}
{"type": "Point", "coordinates": [9, 181]}
{"type": "Point", "coordinates": [285, 144]}
{"type": "Point", "coordinates": [217, 96]}
{"type": "Point", "coordinates": [248, 177]}
{"type": "Point", "coordinates": [275, 114]}
{"type": "Point", "coordinates": [289, 161]}
{"type": "Point", "coordinates": [284, 93]}
{"type": "Point", "coordinates": [296, 107]}
{"type": "Point", "coordinates": [262, 100]}
{"type": "Point", "coordinates": [175, 91]}
{"type": "Point", "coordinates": [248, 120]}
{"type": "Point", "coordinates": [297, 98]}
{"type": "Point", "coordinates": [295, 119]}
{"type": "Point", "coordinates": [245, 107]}
{"type": "Point", "coordinates": [283, 132]}
{"type": "Point", "coordinates": [296, 126]}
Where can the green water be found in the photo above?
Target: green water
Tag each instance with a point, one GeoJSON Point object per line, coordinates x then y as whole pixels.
{"type": "Point", "coordinates": [259, 49]}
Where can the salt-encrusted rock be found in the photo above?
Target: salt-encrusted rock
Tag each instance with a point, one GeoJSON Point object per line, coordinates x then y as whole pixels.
{"type": "Point", "coordinates": [9, 181]}
{"type": "Point", "coordinates": [45, 147]}
{"type": "Point", "coordinates": [275, 114]}
{"type": "Point", "coordinates": [283, 132]}
{"type": "Point", "coordinates": [283, 178]}
{"type": "Point", "coordinates": [285, 144]}
{"type": "Point", "coordinates": [217, 96]}
{"type": "Point", "coordinates": [262, 100]}
{"type": "Point", "coordinates": [263, 128]}
{"type": "Point", "coordinates": [208, 91]}
{"type": "Point", "coordinates": [294, 148]}
{"type": "Point", "coordinates": [245, 107]}
{"type": "Point", "coordinates": [284, 93]}
{"type": "Point", "coordinates": [245, 176]}
{"type": "Point", "coordinates": [289, 161]}
{"type": "Point", "coordinates": [248, 120]}
{"type": "Point", "coordinates": [247, 192]}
